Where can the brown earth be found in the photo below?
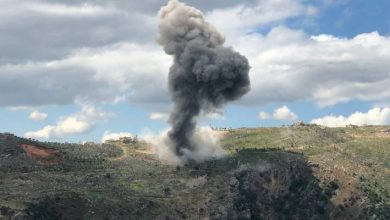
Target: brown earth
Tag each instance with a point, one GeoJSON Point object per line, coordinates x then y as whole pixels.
{"type": "Point", "coordinates": [39, 152]}
{"type": "Point", "coordinates": [44, 156]}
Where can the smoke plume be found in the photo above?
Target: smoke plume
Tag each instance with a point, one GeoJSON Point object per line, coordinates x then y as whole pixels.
{"type": "Point", "coordinates": [205, 138]}
{"type": "Point", "coordinates": [205, 75]}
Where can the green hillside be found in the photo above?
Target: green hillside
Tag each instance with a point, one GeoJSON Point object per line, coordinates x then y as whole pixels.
{"type": "Point", "coordinates": [299, 172]}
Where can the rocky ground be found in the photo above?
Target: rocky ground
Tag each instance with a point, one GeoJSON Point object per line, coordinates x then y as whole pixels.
{"type": "Point", "coordinates": [299, 172]}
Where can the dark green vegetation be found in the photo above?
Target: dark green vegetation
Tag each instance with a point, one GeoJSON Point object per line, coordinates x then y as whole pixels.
{"type": "Point", "coordinates": [302, 172]}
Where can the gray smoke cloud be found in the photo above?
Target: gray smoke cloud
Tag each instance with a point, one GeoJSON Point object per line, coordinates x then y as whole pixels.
{"type": "Point", "coordinates": [205, 75]}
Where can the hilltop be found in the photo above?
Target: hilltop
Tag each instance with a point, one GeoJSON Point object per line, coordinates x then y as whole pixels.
{"type": "Point", "coordinates": [299, 172]}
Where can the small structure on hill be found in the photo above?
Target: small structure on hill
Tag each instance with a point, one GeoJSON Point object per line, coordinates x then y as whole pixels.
{"type": "Point", "coordinates": [128, 140]}
{"type": "Point", "coordinates": [299, 124]}
{"type": "Point", "coordinates": [352, 126]}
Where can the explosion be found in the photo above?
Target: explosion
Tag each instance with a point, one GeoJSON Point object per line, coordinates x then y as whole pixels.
{"type": "Point", "coordinates": [205, 75]}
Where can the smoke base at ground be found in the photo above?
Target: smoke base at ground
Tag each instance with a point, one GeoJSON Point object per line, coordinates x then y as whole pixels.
{"type": "Point", "coordinates": [207, 146]}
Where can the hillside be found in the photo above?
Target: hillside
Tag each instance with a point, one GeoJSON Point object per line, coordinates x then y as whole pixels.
{"type": "Point", "coordinates": [300, 172]}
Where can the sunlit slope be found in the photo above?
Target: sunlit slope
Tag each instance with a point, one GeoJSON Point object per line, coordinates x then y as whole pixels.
{"type": "Point", "coordinates": [302, 172]}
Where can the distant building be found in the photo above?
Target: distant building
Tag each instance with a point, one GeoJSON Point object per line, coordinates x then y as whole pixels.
{"type": "Point", "coordinates": [126, 140]}
{"type": "Point", "coordinates": [299, 124]}
{"type": "Point", "coordinates": [352, 126]}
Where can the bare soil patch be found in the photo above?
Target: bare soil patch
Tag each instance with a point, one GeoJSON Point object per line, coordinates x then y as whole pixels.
{"type": "Point", "coordinates": [39, 152]}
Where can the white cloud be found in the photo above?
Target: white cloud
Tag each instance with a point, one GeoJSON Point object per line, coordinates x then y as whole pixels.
{"type": "Point", "coordinates": [38, 116]}
{"type": "Point", "coordinates": [245, 18]}
{"type": "Point", "coordinates": [83, 10]}
{"type": "Point", "coordinates": [289, 65]}
{"type": "Point", "coordinates": [108, 135]}
{"type": "Point", "coordinates": [159, 116]}
{"type": "Point", "coordinates": [100, 59]}
{"type": "Point", "coordinates": [282, 114]}
{"type": "Point", "coordinates": [264, 116]}
{"type": "Point", "coordinates": [67, 26]}
{"type": "Point", "coordinates": [109, 74]}
{"type": "Point", "coordinates": [104, 59]}
{"type": "Point", "coordinates": [216, 115]}
{"type": "Point", "coordinates": [375, 116]}
{"type": "Point", "coordinates": [78, 123]}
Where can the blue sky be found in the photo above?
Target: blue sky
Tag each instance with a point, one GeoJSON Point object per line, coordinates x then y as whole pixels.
{"type": "Point", "coordinates": [350, 18]}
{"type": "Point", "coordinates": [94, 67]}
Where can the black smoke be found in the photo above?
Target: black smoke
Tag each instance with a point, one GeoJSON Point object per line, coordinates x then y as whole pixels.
{"type": "Point", "coordinates": [205, 75]}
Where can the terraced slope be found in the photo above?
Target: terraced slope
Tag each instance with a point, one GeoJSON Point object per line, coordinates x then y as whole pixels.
{"type": "Point", "coordinates": [304, 172]}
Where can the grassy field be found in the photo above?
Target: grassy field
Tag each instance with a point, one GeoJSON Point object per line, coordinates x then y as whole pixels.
{"type": "Point", "coordinates": [302, 172]}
